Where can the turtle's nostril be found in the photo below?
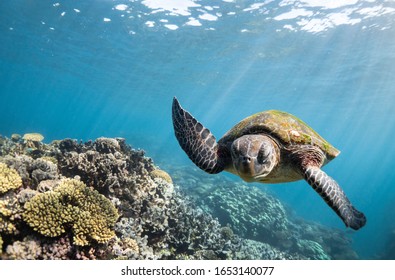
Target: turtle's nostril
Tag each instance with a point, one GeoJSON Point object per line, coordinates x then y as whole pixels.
{"type": "Point", "coordinates": [246, 159]}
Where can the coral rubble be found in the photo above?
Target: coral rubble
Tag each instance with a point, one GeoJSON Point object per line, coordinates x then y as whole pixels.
{"type": "Point", "coordinates": [104, 200]}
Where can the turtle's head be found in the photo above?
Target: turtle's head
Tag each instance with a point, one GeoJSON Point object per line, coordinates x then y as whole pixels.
{"type": "Point", "coordinates": [254, 156]}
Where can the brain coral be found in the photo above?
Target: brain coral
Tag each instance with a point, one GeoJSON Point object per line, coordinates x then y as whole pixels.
{"type": "Point", "coordinates": [157, 173]}
{"type": "Point", "coordinates": [71, 204]}
{"type": "Point", "coordinates": [9, 179]}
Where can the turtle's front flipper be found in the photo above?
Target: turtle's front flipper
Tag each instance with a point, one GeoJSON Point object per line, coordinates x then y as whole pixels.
{"type": "Point", "coordinates": [196, 140]}
{"type": "Point", "coordinates": [334, 196]}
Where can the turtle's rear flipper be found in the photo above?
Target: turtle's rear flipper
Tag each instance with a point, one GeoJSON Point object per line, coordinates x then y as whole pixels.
{"type": "Point", "coordinates": [196, 140]}
{"type": "Point", "coordinates": [334, 196]}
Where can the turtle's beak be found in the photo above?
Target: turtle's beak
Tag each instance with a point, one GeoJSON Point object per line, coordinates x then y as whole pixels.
{"type": "Point", "coordinates": [246, 168]}
{"type": "Point", "coordinates": [261, 177]}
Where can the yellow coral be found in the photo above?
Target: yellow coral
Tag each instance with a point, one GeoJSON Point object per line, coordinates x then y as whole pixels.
{"type": "Point", "coordinates": [6, 226]}
{"type": "Point", "coordinates": [9, 179]}
{"type": "Point", "coordinates": [157, 173]}
{"type": "Point", "coordinates": [9, 210]}
{"type": "Point", "coordinates": [46, 214]}
{"type": "Point", "coordinates": [90, 214]}
{"type": "Point", "coordinates": [132, 245]}
{"type": "Point", "coordinates": [32, 140]}
{"type": "Point", "coordinates": [33, 137]}
{"type": "Point", "coordinates": [50, 159]}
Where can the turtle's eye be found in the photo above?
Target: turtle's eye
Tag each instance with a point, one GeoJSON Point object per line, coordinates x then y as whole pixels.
{"type": "Point", "coordinates": [262, 155]}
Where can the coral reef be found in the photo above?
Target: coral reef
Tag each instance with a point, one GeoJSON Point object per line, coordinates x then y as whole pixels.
{"type": "Point", "coordinates": [263, 220]}
{"type": "Point", "coordinates": [104, 200]}
{"type": "Point", "coordinates": [9, 206]}
{"type": "Point", "coordinates": [255, 215]}
{"type": "Point", "coordinates": [27, 249]}
{"type": "Point", "coordinates": [33, 137]}
{"type": "Point", "coordinates": [9, 179]}
{"type": "Point", "coordinates": [9, 213]}
{"type": "Point", "coordinates": [312, 250]}
{"type": "Point", "coordinates": [72, 204]}
{"type": "Point", "coordinates": [32, 140]}
{"type": "Point", "coordinates": [255, 250]}
{"type": "Point", "coordinates": [126, 248]}
{"type": "Point", "coordinates": [16, 137]}
{"type": "Point", "coordinates": [157, 173]}
{"type": "Point", "coordinates": [107, 145]}
{"type": "Point", "coordinates": [43, 169]}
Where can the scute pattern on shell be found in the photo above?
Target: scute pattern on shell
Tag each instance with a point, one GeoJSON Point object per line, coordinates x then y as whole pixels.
{"type": "Point", "coordinates": [282, 126]}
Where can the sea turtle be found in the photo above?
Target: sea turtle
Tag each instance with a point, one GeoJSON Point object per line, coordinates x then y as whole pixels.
{"type": "Point", "coordinates": [268, 147]}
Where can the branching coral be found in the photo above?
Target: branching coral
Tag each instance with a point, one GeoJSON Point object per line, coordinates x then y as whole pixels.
{"type": "Point", "coordinates": [89, 213]}
{"type": "Point", "coordinates": [9, 212]}
{"type": "Point", "coordinates": [126, 248]}
{"type": "Point", "coordinates": [106, 145]}
{"type": "Point", "coordinates": [28, 249]}
{"type": "Point", "coordinates": [9, 179]}
{"type": "Point", "coordinates": [21, 163]}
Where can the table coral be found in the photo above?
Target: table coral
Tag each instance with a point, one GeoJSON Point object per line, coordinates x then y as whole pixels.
{"type": "Point", "coordinates": [9, 179]}
{"type": "Point", "coordinates": [32, 140]}
{"type": "Point", "coordinates": [90, 214]}
{"type": "Point", "coordinates": [35, 137]}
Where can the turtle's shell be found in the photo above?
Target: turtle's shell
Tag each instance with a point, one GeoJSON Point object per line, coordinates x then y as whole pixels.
{"type": "Point", "coordinates": [283, 127]}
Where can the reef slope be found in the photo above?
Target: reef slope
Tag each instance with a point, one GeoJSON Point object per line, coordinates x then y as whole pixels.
{"type": "Point", "coordinates": [104, 200]}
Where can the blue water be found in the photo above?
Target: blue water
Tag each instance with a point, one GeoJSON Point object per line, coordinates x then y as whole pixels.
{"type": "Point", "coordinates": [85, 69]}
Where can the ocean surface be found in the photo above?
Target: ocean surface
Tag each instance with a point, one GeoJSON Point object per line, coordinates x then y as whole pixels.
{"type": "Point", "coordinates": [86, 69]}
